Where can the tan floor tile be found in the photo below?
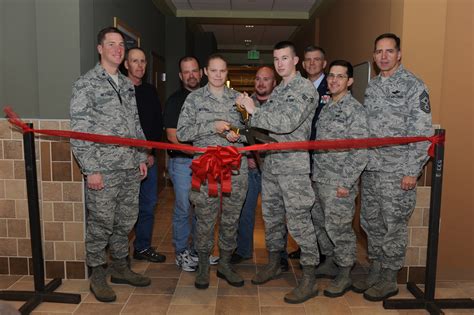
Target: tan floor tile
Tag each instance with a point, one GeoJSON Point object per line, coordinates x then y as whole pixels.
{"type": "Point", "coordinates": [325, 305]}
{"type": "Point", "coordinates": [191, 310]}
{"type": "Point", "coordinates": [450, 293]}
{"type": "Point", "coordinates": [140, 266]}
{"type": "Point", "coordinates": [282, 310]}
{"type": "Point", "coordinates": [59, 307]}
{"type": "Point", "coordinates": [407, 312]}
{"type": "Point", "coordinates": [191, 295]}
{"type": "Point", "coordinates": [375, 310]}
{"type": "Point", "coordinates": [122, 291]}
{"type": "Point", "coordinates": [163, 270]}
{"type": "Point", "coordinates": [15, 304]}
{"type": "Point", "coordinates": [166, 246]}
{"type": "Point", "coordinates": [284, 280]}
{"type": "Point", "coordinates": [22, 286]}
{"type": "Point", "coordinates": [159, 286]}
{"type": "Point", "coordinates": [246, 271]}
{"type": "Point", "coordinates": [76, 286]}
{"type": "Point", "coordinates": [98, 308]}
{"type": "Point", "coordinates": [467, 287]}
{"type": "Point", "coordinates": [247, 290]}
{"type": "Point", "coordinates": [188, 278]}
{"type": "Point", "coordinates": [357, 300]}
{"type": "Point", "coordinates": [237, 305]}
{"type": "Point", "coordinates": [272, 296]}
{"type": "Point", "coordinates": [458, 312]}
{"type": "Point", "coordinates": [51, 313]}
{"type": "Point", "coordinates": [147, 304]}
{"type": "Point", "coordinates": [7, 281]}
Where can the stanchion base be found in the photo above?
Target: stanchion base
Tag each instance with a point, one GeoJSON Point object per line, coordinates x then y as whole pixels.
{"type": "Point", "coordinates": [35, 298]}
{"type": "Point", "coordinates": [434, 306]}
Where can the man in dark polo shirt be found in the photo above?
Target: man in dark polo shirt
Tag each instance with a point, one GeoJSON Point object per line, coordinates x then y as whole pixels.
{"type": "Point", "coordinates": [179, 166]}
{"type": "Point", "coordinates": [151, 120]}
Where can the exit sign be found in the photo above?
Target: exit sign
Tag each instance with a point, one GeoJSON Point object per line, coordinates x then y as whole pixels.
{"type": "Point", "coordinates": [253, 55]}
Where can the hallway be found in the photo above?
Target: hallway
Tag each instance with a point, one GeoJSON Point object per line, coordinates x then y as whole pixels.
{"type": "Point", "coordinates": [173, 292]}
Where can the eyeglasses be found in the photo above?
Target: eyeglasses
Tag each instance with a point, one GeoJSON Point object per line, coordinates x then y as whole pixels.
{"type": "Point", "coordinates": [337, 76]}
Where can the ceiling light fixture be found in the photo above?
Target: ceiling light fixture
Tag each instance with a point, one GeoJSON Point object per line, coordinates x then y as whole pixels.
{"type": "Point", "coordinates": [248, 26]}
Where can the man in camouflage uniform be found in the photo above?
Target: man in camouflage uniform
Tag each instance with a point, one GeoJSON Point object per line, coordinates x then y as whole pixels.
{"type": "Point", "coordinates": [265, 82]}
{"type": "Point", "coordinates": [336, 175]}
{"type": "Point", "coordinates": [286, 186]}
{"type": "Point", "coordinates": [103, 102]}
{"type": "Point", "coordinates": [397, 104]}
{"type": "Point", "coordinates": [205, 120]}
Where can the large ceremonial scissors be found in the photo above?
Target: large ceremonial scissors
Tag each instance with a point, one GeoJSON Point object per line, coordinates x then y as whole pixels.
{"type": "Point", "coordinates": [253, 135]}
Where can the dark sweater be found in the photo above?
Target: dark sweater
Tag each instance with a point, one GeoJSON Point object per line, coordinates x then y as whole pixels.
{"type": "Point", "coordinates": [149, 111]}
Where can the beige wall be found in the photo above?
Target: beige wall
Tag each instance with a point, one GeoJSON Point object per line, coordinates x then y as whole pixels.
{"type": "Point", "coordinates": [437, 46]}
{"type": "Point", "coordinates": [348, 28]}
{"type": "Point", "coordinates": [456, 250]}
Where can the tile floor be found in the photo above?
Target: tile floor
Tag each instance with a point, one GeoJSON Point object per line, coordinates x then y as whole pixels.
{"type": "Point", "coordinates": [172, 291]}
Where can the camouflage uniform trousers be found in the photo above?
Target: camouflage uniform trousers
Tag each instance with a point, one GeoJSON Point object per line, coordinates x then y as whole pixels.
{"type": "Point", "coordinates": [385, 212]}
{"type": "Point", "coordinates": [112, 213]}
{"type": "Point", "coordinates": [207, 208]}
{"type": "Point", "coordinates": [290, 196]}
{"type": "Point", "coordinates": [332, 219]}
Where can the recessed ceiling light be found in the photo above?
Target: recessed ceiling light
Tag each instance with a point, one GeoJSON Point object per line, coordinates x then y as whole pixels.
{"type": "Point", "coordinates": [248, 26]}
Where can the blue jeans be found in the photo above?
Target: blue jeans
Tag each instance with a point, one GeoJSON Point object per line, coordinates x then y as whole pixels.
{"type": "Point", "coordinates": [247, 216]}
{"type": "Point", "coordinates": [180, 174]}
{"type": "Point", "coordinates": [148, 198]}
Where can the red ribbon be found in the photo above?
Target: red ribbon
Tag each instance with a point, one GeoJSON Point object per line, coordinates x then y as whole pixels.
{"type": "Point", "coordinates": [215, 165]}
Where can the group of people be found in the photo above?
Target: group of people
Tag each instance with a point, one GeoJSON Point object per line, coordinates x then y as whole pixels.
{"type": "Point", "coordinates": [310, 195]}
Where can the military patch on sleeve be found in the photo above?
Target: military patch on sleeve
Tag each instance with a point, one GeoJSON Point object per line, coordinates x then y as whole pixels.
{"type": "Point", "coordinates": [425, 102]}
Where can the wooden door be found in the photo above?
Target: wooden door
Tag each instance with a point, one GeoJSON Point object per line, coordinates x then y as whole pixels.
{"type": "Point", "coordinates": [158, 79]}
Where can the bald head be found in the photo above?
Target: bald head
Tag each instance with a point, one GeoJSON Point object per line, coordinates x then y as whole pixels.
{"type": "Point", "coordinates": [264, 82]}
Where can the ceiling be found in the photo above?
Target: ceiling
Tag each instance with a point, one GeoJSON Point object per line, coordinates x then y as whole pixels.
{"type": "Point", "coordinates": [241, 25]}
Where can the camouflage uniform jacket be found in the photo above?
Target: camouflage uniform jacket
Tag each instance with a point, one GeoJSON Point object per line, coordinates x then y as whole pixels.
{"type": "Point", "coordinates": [398, 107]}
{"type": "Point", "coordinates": [200, 111]}
{"type": "Point", "coordinates": [287, 115]}
{"type": "Point", "coordinates": [99, 106]}
{"type": "Point", "coordinates": [344, 119]}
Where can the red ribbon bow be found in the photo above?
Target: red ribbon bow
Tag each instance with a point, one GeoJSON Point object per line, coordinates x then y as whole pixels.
{"type": "Point", "coordinates": [215, 165]}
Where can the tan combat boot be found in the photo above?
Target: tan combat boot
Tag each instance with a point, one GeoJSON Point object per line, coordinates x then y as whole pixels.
{"type": "Point", "coordinates": [121, 273]}
{"type": "Point", "coordinates": [374, 274]}
{"type": "Point", "coordinates": [384, 288]}
{"type": "Point", "coordinates": [270, 271]}
{"type": "Point", "coordinates": [99, 286]}
{"type": "Point", "coordinates": [225, 271]}
{"type": "Point", "coordinates": [202, 273]}
{"type": "Point", "coordinates": [305, 289]}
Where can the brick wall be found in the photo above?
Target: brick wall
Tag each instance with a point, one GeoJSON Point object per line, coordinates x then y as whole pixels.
{"type": "Point", "coordinates": [60, 188]}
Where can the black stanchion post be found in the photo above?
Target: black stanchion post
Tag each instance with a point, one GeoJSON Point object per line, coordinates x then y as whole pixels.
{"type": "Point", "coordinates": [42, 293]}
{"type": "Point", "coordinates": [427, 299]}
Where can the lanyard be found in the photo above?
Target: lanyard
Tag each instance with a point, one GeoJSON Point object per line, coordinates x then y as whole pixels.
{"type": "Point", "coordinates": [116, 91]}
